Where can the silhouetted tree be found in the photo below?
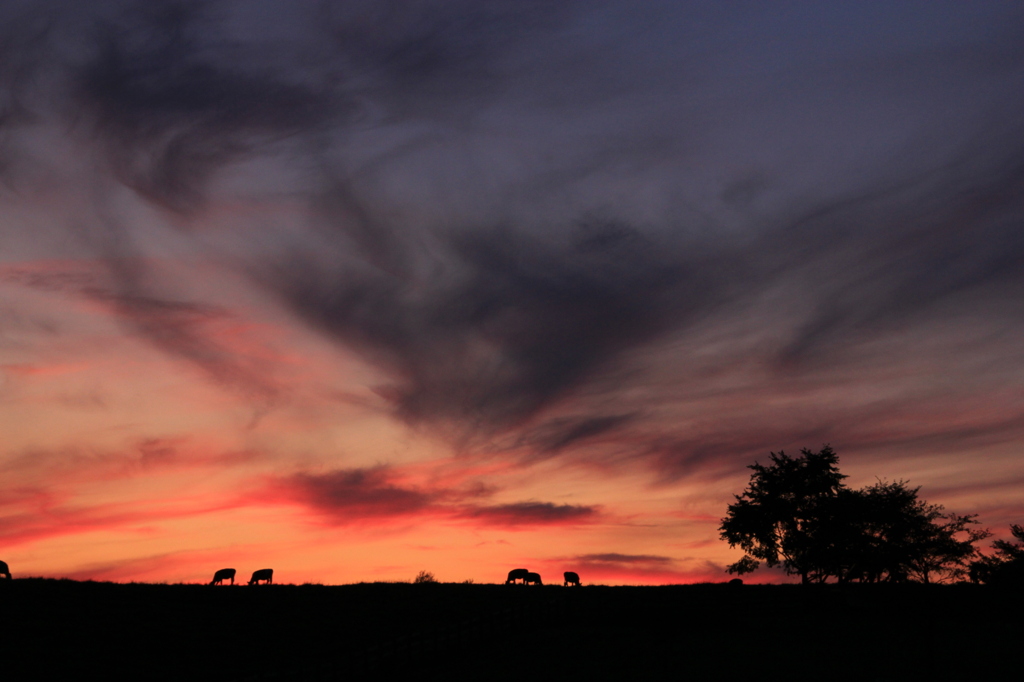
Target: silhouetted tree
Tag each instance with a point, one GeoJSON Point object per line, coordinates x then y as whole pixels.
{"type": "Point", "coordinates": [1006, 565]}
{"type": "Point", "coordinates": [776, 520]}
{"type": "Point", "coordinates": [897, 537]}
{"type": "Point", "coordinates": [798, 514]}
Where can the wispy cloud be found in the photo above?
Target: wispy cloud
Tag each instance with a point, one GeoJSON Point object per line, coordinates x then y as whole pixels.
{"type": "Point", "coordinates": [197, 332]}
{"type": "Point", "coordinates": [584, 236]}
{"type": "Point", "coordinates": [46, 517]}
{"type": "Point", "coordinates": [488, 315]}
{"type": "Point", "coordinates": [59, 469]}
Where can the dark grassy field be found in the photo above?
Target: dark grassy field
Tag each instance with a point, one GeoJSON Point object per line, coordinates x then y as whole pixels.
{"type": "Point", "coordinates": [60, 629]}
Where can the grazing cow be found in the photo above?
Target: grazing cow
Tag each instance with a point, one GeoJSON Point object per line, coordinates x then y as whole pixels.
{"type": "Point", "coordinates": [264, 574]}
{"type": "Point", "coordinates": [532, 578]}
{"type": "Point", "coordinates": [517, 574]}
{"type": "Point", "coordinates": [571, 578]}
{"type": "Point", "coordinates": [223, 574]}
{"type": "Point", "coordinates": [4, 570]}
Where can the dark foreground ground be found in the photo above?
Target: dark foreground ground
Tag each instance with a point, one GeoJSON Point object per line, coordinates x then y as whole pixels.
{"type": "Point", "coordinates": [61, 629]}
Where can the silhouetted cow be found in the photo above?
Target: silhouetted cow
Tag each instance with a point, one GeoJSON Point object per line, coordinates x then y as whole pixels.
{"type": "Point", "coordinates": [223, 574]}
{"type": "Point", "coordinates": [571, 578]}
{"type": "Point", "coordinates": [517, 574]}
{"type": "Point", "coordinates": [532, 578]}
{"type": "Point", "coordinates": [264, 574]}
{"type": "Point", "coordinates": [4, 570]}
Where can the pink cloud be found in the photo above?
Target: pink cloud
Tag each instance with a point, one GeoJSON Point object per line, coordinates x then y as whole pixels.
{"type": "Point", "coordinates": [144, 456]}
{"type": "Point", "coordinates": [36, 370]}
{"type": "Point", "coordinates": [47, 520]}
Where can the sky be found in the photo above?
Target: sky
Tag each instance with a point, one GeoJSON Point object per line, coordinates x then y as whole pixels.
{"type": "Point", "coordinates": [358, 289]}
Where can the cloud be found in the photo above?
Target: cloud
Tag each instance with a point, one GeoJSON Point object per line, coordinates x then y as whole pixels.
{"type": "Point", "coordinates": [623, 559]}
{"type": "Point", "coordinates": [504, 206]}
{"type": "Point", "coordinates": [62, 469]}
{"type": "Point", "coordinates": [414, 55]}
{"type": "Point", "coordinates": [46, 516]}
{"type": "Point", "coordinates": [562, 432]}
{"type": "Point", "coordinates": [532, 514]}
{"type": "Point", "coordinates": [352, 494]}
{"type": "Point", "coordinates": [937, 245]}
{"type": "Point", "coordinates": [175, 101]}
{"type": "Point", "coordinates": [379, 493]}
{"type": "Point", "coordinates": [184, 329]}
{"type": "Point", "coordinates": [511, 324]}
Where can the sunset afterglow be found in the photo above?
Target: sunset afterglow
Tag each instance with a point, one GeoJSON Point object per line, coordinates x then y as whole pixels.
{"type": "Point", "coordinates": [359, 289]}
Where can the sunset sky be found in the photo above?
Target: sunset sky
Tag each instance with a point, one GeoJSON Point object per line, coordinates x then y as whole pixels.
{"type": "Point", "coordinates": [359, 288]}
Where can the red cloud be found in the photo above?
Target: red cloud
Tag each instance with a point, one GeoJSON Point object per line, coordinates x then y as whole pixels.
{"type": "Point", "coordinates": [52, 521]}
{"type": "Point", "coordinates": [73, 465]}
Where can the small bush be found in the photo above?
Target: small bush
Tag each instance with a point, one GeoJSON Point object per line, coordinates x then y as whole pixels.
{"type": "Point", "coordinates": [424, 577]}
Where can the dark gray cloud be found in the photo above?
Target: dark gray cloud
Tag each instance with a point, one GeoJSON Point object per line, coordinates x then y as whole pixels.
{"type": "Point", "coordinates": [557, 434]}
{"type": "Point", "coordinates": [950, 236]}
{"type": "Point", "coordinates": [531, 514]}
{"type": "Point", "coordinates": [510, 202]}
{"type": "Point", "coordinates": [175, 100]}
{"type": "Point", "coordinates": [510, 323]}
{"type": "Point", "coordinates": [623, 559]}
{"type": "Point", "coordinates": [20, 53]}
{"type": "Point", "coordinates": [421, 58]}
{"type": "Point", "coordinates": [354, 494]}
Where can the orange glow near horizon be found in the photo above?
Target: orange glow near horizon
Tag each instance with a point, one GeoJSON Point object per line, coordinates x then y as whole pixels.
{"type": "Point", "coordinates": [123, 464]}
{"type": "Point", "coordinates": [497, 285]}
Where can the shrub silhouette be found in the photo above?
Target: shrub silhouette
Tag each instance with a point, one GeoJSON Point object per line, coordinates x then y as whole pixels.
{"type": "Point", "coordinates": [424, 577]}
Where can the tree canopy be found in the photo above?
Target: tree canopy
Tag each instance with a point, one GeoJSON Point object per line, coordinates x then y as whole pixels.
{"type": "Point", "coordinates": [1006, 565]}
{"type": "Point", "coordinates": [797, 513]}
{"type": "Point", "coordinates": [778, 518]}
